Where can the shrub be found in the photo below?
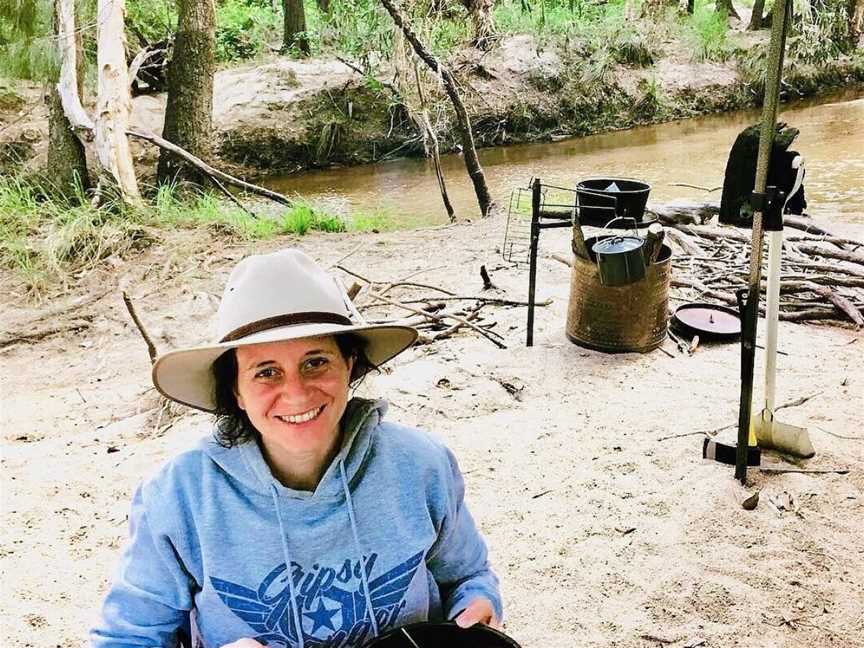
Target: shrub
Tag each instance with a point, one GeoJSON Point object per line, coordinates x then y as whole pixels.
{"type": "Point", "coordinates": [706, 32]}
{"type": "Point", "coordinates": [243, 28]}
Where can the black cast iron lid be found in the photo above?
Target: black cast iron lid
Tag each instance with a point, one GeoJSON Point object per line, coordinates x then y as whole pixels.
{"type": "Point", "coordinates": [708, 321]}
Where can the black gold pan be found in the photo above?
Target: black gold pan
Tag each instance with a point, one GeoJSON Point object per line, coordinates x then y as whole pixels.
{"type": "Point", "coordinates": [708, 321]}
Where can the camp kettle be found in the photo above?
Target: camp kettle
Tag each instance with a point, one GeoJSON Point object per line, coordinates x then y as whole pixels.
{"type": "Point", "coordinates": [620, 259]}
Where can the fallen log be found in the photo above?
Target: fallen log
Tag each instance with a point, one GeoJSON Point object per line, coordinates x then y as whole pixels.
{"type": "Point", "coordinates": [841, 303]}
{"type": "Point", "coordinates": [827, 267]}
{"type": "Point", "coordinates": [804, 224]}
{"type": "Point", "coordinates": [209, 170]}
{"type": "Point", "coordinates": [684, 213]}
{"type": "Point", "coordinates": [687, 244]}
{"type": "Point", "coordinates": [699, 213]}
{"type": "Point", "coordinates": [840, 255]}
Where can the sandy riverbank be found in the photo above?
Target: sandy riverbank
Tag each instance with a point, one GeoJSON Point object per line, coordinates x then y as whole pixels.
{"type": "Point", "coordinates": [602, 535]}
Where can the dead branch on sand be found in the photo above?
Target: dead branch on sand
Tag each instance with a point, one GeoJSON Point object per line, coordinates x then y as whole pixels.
{"type": "Point", "coordinates": [151, 348]}
{"type": "Point", "coordinates": [35, 336]}
{"type": "Point", "coordinates": [430, 314]}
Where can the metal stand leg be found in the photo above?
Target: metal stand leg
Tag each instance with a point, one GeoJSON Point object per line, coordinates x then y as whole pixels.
{"type": "Point", "coordinates": [532, 271]}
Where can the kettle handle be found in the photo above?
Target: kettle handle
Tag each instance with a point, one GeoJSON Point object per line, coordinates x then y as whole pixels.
{"type": "Point", "coordinates": [628, 218]}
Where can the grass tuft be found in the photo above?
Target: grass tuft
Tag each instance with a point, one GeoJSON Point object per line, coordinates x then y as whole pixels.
{"type": "Point", "coordinates": [46, 238]}
{"type": "Point", "coordinates": [707, 33]}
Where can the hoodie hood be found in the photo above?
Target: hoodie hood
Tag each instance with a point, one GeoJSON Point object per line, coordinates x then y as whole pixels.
{"type": "Point", "coordinates": [249, 467]}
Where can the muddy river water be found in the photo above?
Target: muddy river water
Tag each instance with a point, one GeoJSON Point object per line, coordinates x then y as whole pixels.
{"type": "Point", "coordinates": [692, 152]}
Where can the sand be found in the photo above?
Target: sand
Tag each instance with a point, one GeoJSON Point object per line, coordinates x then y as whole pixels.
{"type": "Point", "coordinates": [602, 534]}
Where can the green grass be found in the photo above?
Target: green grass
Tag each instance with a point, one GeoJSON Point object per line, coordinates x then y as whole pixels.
{"type": "Point", "coordinates": [47, 239]}
{"type": "Point", "coordinates": [707, 33]}
{"type": "Point", "coordinates": [173, 209]}
{"type": "Point", "coordinates": [374, 221]}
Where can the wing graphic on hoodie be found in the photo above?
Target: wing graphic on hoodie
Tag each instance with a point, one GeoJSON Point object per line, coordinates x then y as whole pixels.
{"type": "Point", "coordinates": [329, 617]}
{"type": "Point", "coordinates": [389, 588]}
{"type": "Point", "coordinates": [247, 605]}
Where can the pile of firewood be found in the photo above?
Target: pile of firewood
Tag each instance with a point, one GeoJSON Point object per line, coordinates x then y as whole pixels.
{"type": "Point", "coordinates": [822, 276]}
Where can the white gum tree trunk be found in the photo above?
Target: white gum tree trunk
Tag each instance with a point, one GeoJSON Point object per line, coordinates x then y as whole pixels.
{"type": "Point", "coordinates": [69, 85]}
{"type": "Point", "coordinates": [114, 101]}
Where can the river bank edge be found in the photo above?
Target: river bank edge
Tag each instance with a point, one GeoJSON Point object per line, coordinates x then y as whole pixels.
{"type": "Point", "coordinates": [279, 116]}
{"type": "Point", "coordinates": [327, 115]}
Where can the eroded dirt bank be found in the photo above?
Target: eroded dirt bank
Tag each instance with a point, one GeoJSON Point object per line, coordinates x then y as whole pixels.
{"type": "Point", "coordinates": [278, 116]}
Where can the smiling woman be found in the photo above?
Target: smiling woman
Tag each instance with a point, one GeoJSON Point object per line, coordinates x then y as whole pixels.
{"type": "Point", "coordinates": [294, 394]}
{"type": "Point", "coordinates": [358, 525]}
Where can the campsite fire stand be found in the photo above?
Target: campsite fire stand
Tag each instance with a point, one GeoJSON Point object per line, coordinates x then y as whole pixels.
{"type": "Point", "coordinates": [543, 216]}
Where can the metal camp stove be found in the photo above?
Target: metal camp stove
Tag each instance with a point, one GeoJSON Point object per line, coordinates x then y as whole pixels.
{"type": "Point", "coordinates": [550, 207]}
{"type": "Point", "coordinates": [618, 202]}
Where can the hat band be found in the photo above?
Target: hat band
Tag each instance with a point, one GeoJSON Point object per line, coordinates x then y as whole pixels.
{"type": "Point", "coordinates": [278, 321]}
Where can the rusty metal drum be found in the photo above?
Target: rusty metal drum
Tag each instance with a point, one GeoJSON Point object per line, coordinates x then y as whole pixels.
{"type": "Point", "coordinates": [619, 319]}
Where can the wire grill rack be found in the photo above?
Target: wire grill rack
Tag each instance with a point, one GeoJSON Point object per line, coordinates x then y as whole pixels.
{"type": "Point", "coordinates": [556, 204]}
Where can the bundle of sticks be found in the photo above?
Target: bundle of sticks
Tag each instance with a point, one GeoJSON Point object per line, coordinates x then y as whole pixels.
{"type": "Point", "coordinates": [822, 276]}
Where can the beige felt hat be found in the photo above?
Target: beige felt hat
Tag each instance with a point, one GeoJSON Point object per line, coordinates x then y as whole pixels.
{"type": "Point", "coordinates": [271, 298]}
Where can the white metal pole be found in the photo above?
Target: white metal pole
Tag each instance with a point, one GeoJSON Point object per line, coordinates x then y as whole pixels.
{"type": "Point", "coordinates": [772, 315]}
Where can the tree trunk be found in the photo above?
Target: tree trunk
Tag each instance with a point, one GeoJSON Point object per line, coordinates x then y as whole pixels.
{"type": "Point", "coordinates": [114, 103]}
{"type": "Point", "coordinates": [656, 8]}
{"type": "Point", "coordinates": [324, 6]}
{"type": "Point", "coordinates": [463, 124]}
{"type": "Point", "coordinates": [484, 28]}
{"type": "Point", "coordinates": [756, 20]}
{"type": "Point", "coordinates": [856, 23]}
{"type": "Point", "coordinates": [721, 6]}
{"type": "Point", "coordinates": [67, 163]}
{"type": "Point", "coordinates": [189, 112]}
{"type": "Point", "coordinates": [295, 27]}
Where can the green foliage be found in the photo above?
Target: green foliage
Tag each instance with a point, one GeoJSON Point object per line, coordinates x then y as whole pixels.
{"type": "Point", "coordinates": [818, 35]}
{"type": "Point", "coordinates": [707, 33]}
{"type": "Point", "coordinates": [243, 28]}
{"type": "Point", "coordinates": [46, 239]}
{"type": "Point", "coordinates": [549, 18]}
{"type": "Point", "coordinates": [360, 29]}
{"type": "Point", "coordinates": [10, 101]}
{"type": "Point", "coordinates": [751, 65]}
{"type": "Point", "coordinates": [154, 20]}
{"type": "Point", "coordinates": [19, 18]}
{"type": "Point", "coordinates": [26, 49]}
{"type": "Point", "coordinates": [629, 46]}
{"type": "Point", "coordinates": [303, 218]}
{"type": "Point", "coordinates": [652, 103]}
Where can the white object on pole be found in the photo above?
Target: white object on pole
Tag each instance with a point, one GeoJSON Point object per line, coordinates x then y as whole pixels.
{"type": "Point", "coordinates": [770, 432]}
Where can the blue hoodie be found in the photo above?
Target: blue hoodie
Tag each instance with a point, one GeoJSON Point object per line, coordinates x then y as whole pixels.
{"type": "Point", "coordinates": [211, 535]}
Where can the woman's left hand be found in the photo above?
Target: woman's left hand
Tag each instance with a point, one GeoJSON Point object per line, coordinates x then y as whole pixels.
{"type": "Point", "coordinates": [480, 610]}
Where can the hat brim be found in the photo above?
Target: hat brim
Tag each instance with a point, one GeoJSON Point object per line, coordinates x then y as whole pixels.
{"type": "Point", "coordinates": [186, 375]}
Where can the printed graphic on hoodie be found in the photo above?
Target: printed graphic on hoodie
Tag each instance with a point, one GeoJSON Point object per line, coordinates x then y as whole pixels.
{"type": "Point", "coordinates": [330, 600]}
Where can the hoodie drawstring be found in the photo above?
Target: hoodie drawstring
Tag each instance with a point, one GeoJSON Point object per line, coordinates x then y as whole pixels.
{"type": "Point", "coordinates": [296, 613]}
{"type": "Point", "coordinates": [363, 578]}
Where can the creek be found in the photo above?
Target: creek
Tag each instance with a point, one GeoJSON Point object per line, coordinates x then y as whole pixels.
{"type": "Point", "coordinates": [692, 151]}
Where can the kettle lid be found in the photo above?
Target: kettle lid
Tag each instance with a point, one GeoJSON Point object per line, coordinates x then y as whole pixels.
{"type": "Point", "coordinates": [617, 244]}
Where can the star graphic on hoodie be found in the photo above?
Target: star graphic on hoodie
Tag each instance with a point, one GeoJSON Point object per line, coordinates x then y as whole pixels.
{"type": "Point", "coordinates": [321, 617]}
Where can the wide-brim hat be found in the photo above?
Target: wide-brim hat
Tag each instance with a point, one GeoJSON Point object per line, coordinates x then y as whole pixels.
{"type": "Point", "coordinates": [273, 297]}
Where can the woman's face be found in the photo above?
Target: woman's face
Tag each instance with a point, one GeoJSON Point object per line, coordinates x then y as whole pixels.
{"type": "Point", "coordinates": [294, 393]}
